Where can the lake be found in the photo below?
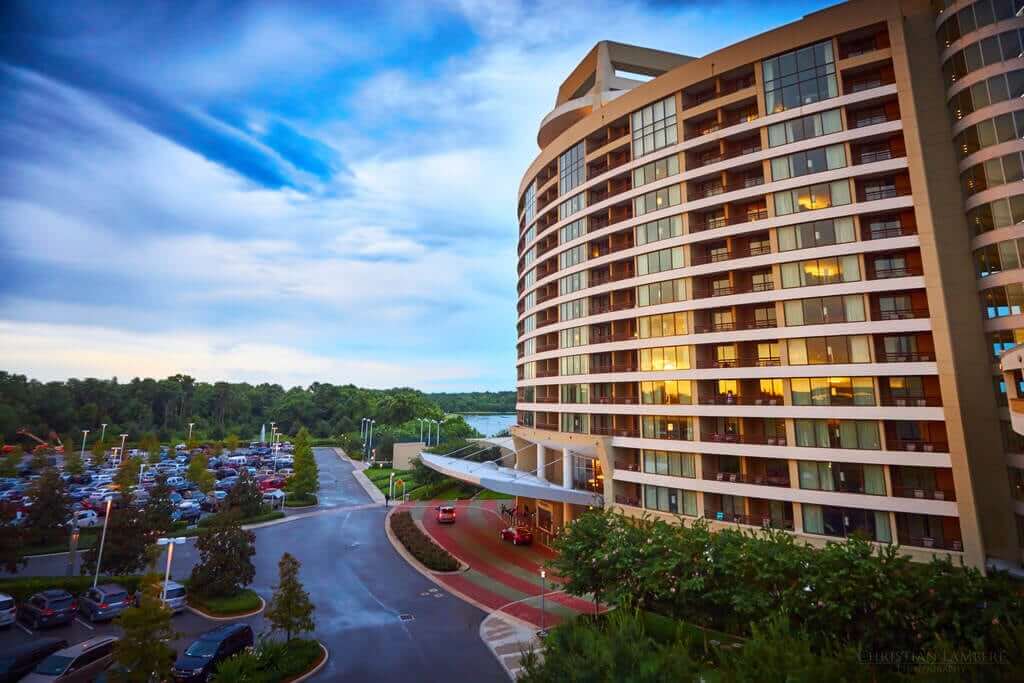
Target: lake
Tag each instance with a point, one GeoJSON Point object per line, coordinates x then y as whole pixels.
{"type": "Point", "coordinates": [489, 425]}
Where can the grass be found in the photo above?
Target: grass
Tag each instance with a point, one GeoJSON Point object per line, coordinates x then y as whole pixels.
{"type": "Point", "coordinates": [242, 602]}
{"type": "Point", "coordinates": [493, 495]}
{"type": "Point", "coordinates": [293, 501]}
{"type": "Point", "coordinates": [87, 539]}
{"type": "Point", "coordinates": [255, 519]}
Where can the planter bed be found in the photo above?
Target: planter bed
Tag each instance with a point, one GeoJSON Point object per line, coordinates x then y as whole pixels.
{"type": "Point", "coordinates": [421, 546]}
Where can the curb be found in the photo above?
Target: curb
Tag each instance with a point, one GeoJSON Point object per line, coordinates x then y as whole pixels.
{"type": "Point", "coordinates": [316, 669]}
{"type": "Point", "coordinates": [416, 564]}
{"type": "Point", "coordinates": [357, 473]}
{"type": "Point", "coordinates": [509, 630]}
{"type": "Point", "coordinates": [204, 615]}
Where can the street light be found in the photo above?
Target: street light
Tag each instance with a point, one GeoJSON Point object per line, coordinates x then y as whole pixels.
{"type": "Point", "coordinates": [543, 574]}
{"type": "Point", "coordinates": [73, 550]}
{"type": "Point", "coordinates": [369, 443]}
{"type": "Point", "coordinates": [103, 434]}
{"type": "Point", "coordinates": [85, 433]}
{"type": "Point", "coordinates": [170, 543]}
{"type": "Point", "coordinates": [438, 440]}
{"type": "Point", "coordinates": [123, 437]}
{"type": "Point", "coordinates": [103, 537]}
{"type": "Point", "coordinates": [190, 431]}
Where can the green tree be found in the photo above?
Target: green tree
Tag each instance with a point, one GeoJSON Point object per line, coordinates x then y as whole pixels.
{"type": "Point", "coordinates": [98, 450]}
{"type": "Point", "coordinates": [73, 463]}
{"type": "Point", "coordinates": [151, 445]}
{"type": "Point", "coordinates": [245, 496]}
{"type": "Point", "coordinates": [40, 460]}
{"type": "Point", "coordinates": [158, 510]}
{"type": "Point", "coordinates": [12, 541]}
{"type": "Point", "coordinates": [306, 480]}
{"type": "Point", "coordinates": [126, 549]}
{"type": "Point", "coordinates": [128, 474]}
{"type": "Point", "coordinates": [8, 466]}
{"type": "Point", "coordinates": [290, 609]}
{"type": "Point", "coordinates": [225, 559]}
{"type": "Point", "coordinates": [199, 475]}
{"type": "Point", "coordinates": [231, 442]}
{"type": "Point", "coordinates": [143, 653]}
{"type": "Point", "coordinates": [50, 510]}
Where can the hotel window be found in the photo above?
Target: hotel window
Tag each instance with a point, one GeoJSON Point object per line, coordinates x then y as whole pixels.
{"type": "Point", "coordinates": [996, 89]}
{"type": "Point", "coordinates": [659, 230]}
{"type": "Point", "coordinates": [654, 127]}
{"type": "Point", "coordinates": [843, 522]}
{"type": "Point", "coordinates": [845, 477]}
{"type": "Point", "coordinates": [572, 283]}
{"type": "Point", "coordinates": [857, 434]}
{"type": "Point", "coordinates": [816, 234]}
{"type": "Point", "coordinates": [570, 168]}
{"type": "Point", "coordinates": [567, 233]}
{"type": "Point", "coordinates": [993, 173]}
{"type": "Point", "coordinates": [530, 234]}
{"type": "Point", "coordinates": [574, 336]}
{"type": "Point", "coordinates": [822, 271]}
{"type": "Point", "coordinates": [570, 206]}
{"type": "Point", "coordinates": [824, 310]}
{"type": "Point", "coordinates": [529, 323]}
{"type": "Point", "coordinates": [666, 325]}
{"type": "Point", "coordinates": [995, 258]}
{"type": "Point", "coordinates": [668, 500]}
{"type": "Point", "coordinates": [575, 393]}
{"type": "Point", "coordinates": [530, 300]}
{"type": "Point", "coordinates": [530, 279]}
{"type": "Point", "coordinates": [670, 464]}
{"type": "Point", "coordinates": [837, 350]}
{"type": "Point", "coordinates": [1004, 340]}
{"type": "Point", "coordinates": [994, 49]}
{"type": "Point", "coordinates": [666, 392]}
{"type": "Point", "coordinates": [571, 257]}
{"type": "Point", "coordinates": [529, 257]}
{"type": "Point", "coordinates": [656, 200]}
{"type": "Point", "coordinates": [530, 201]}
{"type": "Point", "coordinates": [808, 162]}
{"type": "Point", "coordinates": [665, 292]}
{"type": "Point", "coordinates": [995, 131]}
{"type": "Point", "coordinates": [571, 310]}
{"type": "Point", "coordinates": [576, 423]}
{"type": "Point", "coordinates": [975, 16]}
{"type": "Point", "coordinates": [659, 261]}
{"type": "Point", "coordinates": [800, 77]}
{"type": "Point", "coordinates": [656, 170]}
{"type": "Point", "coordinates": [820, 196]}
{"type": "Point", "coordinates": [574, 365]}
{"type": "Point", "coordinates": [1000, 302]}
{"type": "Point", "coordinates": [530, 346]}
{"type": "Point", "coordinates": [999, 213]}
{"type": "Point", "coordinates": [805, 128]}
{"type": "Point", "coordinates": [832, 391]}
{"type": "Point", "coordinates": [529, 370]}
{"type": "Point", "coordinates": [665, 358]}
{"type": "Point", "coordinates": [667, 427]}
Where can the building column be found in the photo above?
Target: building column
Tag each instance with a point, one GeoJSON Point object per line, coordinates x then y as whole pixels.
{"type": "Point", "coordinates": [566, 469]}
{"type": "Point", "coordinates": [542, 473]}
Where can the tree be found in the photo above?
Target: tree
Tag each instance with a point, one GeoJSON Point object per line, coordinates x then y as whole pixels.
{"type": "Point", "coordinates": [306, 480]}
{"type": "Point", "coordinates": [40, 460]}
{"type": "Point", "coordinates": [158, 510]}
{"type": "Point", "coordinates": [142, 652]}
{"type": "Point", "coordinates": [128, 474]}
{"type": "Point", "coordinates": [50, 509]}
{"type": "Point", "coordinates": [8, 466]}
{"type": "Point", "coordinates": [290, 609]}
{"type": "Point", "coordinates": [98, 450]}
{"type": "Point", "coordinates": [245, 496]}
{"type": "Point", "coordinates": [126, 549]}
{"type": "Point", "coordinates": [199, 475]}
{"type": "Point", "coordinates": [73, 464]}
{"type": "Point", "coordinates": [232, 442]}
{"type": "Point", "coordinates": [225, 559]}
{"type": "Point", "coordinates": [12, 538]}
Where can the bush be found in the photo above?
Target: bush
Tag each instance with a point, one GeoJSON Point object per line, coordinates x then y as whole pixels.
{"type": "Point", "coordinates": [265, 516]}
{"type": "Point", "coordinates": [293, 501]}
{"type": "Point", "coordinates": [270, 661]}
{"type": "Point", "coordinates": [242, 602]}
{"type": "Point", "coordinates": [420, 545]}
{"type": "Point", "coordinates": [23, 589]}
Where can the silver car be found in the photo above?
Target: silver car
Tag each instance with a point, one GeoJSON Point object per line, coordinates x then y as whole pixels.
{"type": "Point", "coordinates": [79, 663]}
{"type": "Point", "coordinates": [174, 596]}
{"type": "Point", "coordinates": [7, 610]}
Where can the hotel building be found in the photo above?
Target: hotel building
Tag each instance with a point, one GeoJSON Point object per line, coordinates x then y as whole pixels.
{"type": "Point", "coordinates": [769, 287]}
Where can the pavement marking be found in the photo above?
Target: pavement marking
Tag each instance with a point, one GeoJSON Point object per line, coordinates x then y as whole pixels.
{"type": "Point", "coordinates": [24, 628]}
{"type": "Point", "coordinates": [88, 626]}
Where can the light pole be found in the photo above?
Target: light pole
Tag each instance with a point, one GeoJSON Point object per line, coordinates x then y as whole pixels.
{"type": "Point", "coordinates": [391, 486]}
{"type": "Point", "coordinates": [542, 576]}
{"type": "Point", "coordinates": [103, 537]}
{"type": "Point", "coordinates": [103, 434]}
{"type": "Point", "coordinates": [170, 543]}
{"type": "Point", "coordinates": [438, 440]}
{"type": "Point", "coordinates": [73, 551]}
{"type": "Point", "coordinates": [272, 430]}
{"type": "Point", "coordinates": [369, 442]}
{"type": "Point", "coordinates": [420, 420]}
{"type": "Point", "coordinates": [123, 438]}
{"type": "Point", "coordinates": [85, 433]}
{"type": "Point", "coordinates": [189, 441]}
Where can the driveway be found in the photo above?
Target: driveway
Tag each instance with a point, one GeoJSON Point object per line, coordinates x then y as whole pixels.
{"type": "Point", "coordinates": [380, 618]}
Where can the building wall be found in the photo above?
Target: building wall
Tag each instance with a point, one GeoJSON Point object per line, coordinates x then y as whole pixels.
{"type": "Point", "coordinates": [894, 431]}
{"type": "Point", "coordinates": [404, 453]}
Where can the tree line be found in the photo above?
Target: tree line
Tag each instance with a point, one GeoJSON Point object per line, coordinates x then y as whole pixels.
{"type": "Point", "coordinates": [164, 408]}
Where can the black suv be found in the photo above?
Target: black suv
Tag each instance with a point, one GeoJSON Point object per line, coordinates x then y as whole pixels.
{"type": "Point", "coordinates": [48, 608]}
{"type": "Point", "coordinates": [202, 656]}
{"type": "Point", "coordinates": [18, 660]}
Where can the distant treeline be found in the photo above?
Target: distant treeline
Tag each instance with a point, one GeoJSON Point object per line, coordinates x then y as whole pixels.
{"type": "Point", "coordinates": [475, 401]}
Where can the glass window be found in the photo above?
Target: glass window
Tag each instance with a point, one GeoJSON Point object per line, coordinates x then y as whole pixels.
{"type": "Point", "coordinates": [662, 229]}
{"type": "Point", "coordinates": [572, 205]}
{"type": "Point", "coordinates": [530, 203]}
{"type": "Point", "coordinates": [805, 127]}
{"type": "Point", "coordinates": [657, 200]}
{"type": "Point", "coordinates": [656, 170]}
{"type": "Point", "coordinates": [665, 358]}
{"type": "Point", "coordinates": [654, 127]}
{"type": "Point", "coordinates": [665, 325]}
{"type": "Point", "coordinates": [799, 77]}
{"type": "Point", "coordinates": [574, 230]}
{"type": "Point", "coordinates": [571, 168]}
{"type": "Point", "coordinates": [658, 261]}
{"type": "Point", "coordinates": [665, 292]}
{"type": "Point", "coordinates": [574, 336]}
{"type": "Point", "coordinates": [572, 257]}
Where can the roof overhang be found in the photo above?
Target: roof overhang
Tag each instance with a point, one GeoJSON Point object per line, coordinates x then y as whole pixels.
{"type": "Point", "coordinates": [506, 480]}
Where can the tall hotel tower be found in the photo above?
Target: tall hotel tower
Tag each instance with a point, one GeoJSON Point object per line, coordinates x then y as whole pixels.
{"type": "Point", "coordinates": [769, 286]}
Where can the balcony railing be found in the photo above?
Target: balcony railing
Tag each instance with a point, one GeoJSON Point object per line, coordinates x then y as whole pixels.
{"type": "Point", "coordinates": [738, 289]}
{"type": "Point", "coordinates": [603, 277]}
{"type": "Point", "coordinates": [751, 520]}
{"type": "Point", "coordinates": [899, 314]}
{"type": "Point", "coordinates": [612, 367]}
{"type": "Point", "coordinates": [928, 542]}
{"type": "Point", "coordinates": [880, 193]}
{"type": "Point", "coordinates": [548, 426]}
{"type": "Point", "coordinates": [627, 500]}
{"type": "Point", "coordinates": [871, 120]}
{"type": "Point", "coordinates": [917, 445]}
{"type": "Point", "coordinates": [924, 494]}
{"type": "Point", "coordinates": [615, 431]}
{"type": "Point", "coordinates": [747, 478]}
{"type": "Point", "coordinates": [884, 233]}
{"type": "Point", "coordinates": [546, 399]}
{"type": "Point", "coordinates": [739, 400]}
{"type": "Point", "coordinates": [614, 306]}
{"type": "Point", "coordinates": [749, 216]}
{"type": "Point", "coordinates": [617, 400]}
{"type": "Point", "coordinates": [630, 466]}
{"type": "Point", "coordinates": [596, 338]}
{"type": "Point", "coordinates": [911, 402]}
{"type": "Point", "coordinates": [905, 271]}
{"type": "Point", "coordinates": [874, 155]}
{"type": "Point", "coordinates": [917, 357]}
{"type": "Point", "coordinates": [745, 439]}
{"type": "Point", "coordinates": [701, 328]}
{"type": "Point", "coordinates": [541, 348]}
{"type": "Point", "coordinates": [704, 192]}
{"type": "Point", "coordinates": [742, 362]}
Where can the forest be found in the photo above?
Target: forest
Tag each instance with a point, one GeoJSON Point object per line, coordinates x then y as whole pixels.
{"type": "Point", "coordinates": [165, 407]}
{"type": "Point", "coordinates": [476, 401]}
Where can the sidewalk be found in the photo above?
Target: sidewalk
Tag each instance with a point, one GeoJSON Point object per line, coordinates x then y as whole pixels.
{"type": "Point", "coordinates": [357, 473]}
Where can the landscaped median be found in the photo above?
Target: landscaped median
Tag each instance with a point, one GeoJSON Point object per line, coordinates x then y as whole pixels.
{"type": "Point", "coordinates": [24, 588]}
{"type": "Point", "coordinates": [242, 604]}
{"type": "Point", "coordinates": [419, 545]}
{"type": "Point", "coordinates": [273, 661]}
{"type": "Point", "coordinates": [294, 501]}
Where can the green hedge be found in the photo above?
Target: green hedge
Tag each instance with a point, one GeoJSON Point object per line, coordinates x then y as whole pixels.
{"type": "Point", "coordinates": [23, 589]}
{"type": "Point", "coordinates": [293, 501]}
{"type": "Point", "coordinates": [272, 661]}
{"type": "Point", "coordinates": [420, 545]}
{"type": "Point", "coordinates": [265, 517]}
{"type": "Point", "coordinates": [88, 538]}
{"type": "Point", "coordinates": [242, 602]}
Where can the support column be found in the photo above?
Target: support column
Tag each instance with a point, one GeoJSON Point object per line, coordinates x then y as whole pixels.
{"type": "Point", "coordinates": [542, 472]}
{"type": "Point", "coordinates": [566, 469]}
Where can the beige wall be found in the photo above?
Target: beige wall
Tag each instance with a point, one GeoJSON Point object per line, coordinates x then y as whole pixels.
{"type": "Point", "coordinates": [404, 453]}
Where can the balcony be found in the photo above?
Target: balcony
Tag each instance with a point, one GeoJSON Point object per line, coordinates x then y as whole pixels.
{"type": "Point", "coordinates": [748, 478]}
{"type": "Point", "coordinates": [905, 357]}
{"type": "Point", "coordinates": [608, 307]}
{"type": "Point", "coordinates": [911, 402]}
{"type": "Point", "coordinates": [905, 271]}
{"type": "Point", "coordinates": [603, 338]}
{"type": "Point", "coordinates": [923, 494]}
{"type": "Point", "coordinates": [631, 501]}
{"type": "Point", "coordinates": [728, 437]}
{"type": "Point", "coordinates": [764, 522]}
{"type": "Point", "coordinates": [706, 293]}
{"type": "Point", "coordinates": [739, 399]}
{"type": "Point", "coordinates": [615, 431]}
{"type": "Point", "coordinates": [899, 314]}
{"type": "Point", "coordinates": [745, 362]}
{"type": "Point", "coordinates": [602, 368]}
{"type": "Point", "coordinates": [700, 223]}
{"type": "Point", "coordinates": [917, 445]}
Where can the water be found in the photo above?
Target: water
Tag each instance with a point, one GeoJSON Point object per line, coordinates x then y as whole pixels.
{"type": "Point", "coordinates": [489, 425]}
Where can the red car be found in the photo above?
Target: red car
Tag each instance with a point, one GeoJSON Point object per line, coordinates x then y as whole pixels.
{"type": "Point", "coordinates": [446, 514]}
{"type": "Point", "coordinates": [519, 535]}
{"type": "Point", "coordinates": [271, 483]}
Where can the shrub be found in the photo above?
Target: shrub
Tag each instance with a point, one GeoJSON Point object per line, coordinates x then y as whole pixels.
{"type": "Point", "coordinates": [23, 589]}
{"type": "Point", "coordinates": [420, 545]}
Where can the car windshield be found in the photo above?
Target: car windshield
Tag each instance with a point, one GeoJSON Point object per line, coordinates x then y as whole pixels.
{"type": "Point", "coordinates": [203, 648]}
{"type": "Point", "coordinates": [117, 597]}
{"type": "Point", "coordinates": [60, 603]}
{"type": "Point", "coordinates": [6, 603]}
{"type": "Point", "coordinates": [175, 593]}
{"type": "Point", "coordinates": [54, 665]}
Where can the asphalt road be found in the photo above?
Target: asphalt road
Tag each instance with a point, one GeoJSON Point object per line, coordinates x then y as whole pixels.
{"type": "Point", "coordinates": [380, 619]}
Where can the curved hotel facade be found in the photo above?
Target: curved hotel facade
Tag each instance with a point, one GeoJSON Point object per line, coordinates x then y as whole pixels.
{"type": "Point", "coordinates": [769, 286]}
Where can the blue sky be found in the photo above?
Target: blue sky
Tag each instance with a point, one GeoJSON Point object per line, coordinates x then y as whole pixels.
{"type": "Point", "coordinates": [287, 192]}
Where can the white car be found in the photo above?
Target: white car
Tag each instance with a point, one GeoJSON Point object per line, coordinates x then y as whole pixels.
{"type": "Point", "coordinates": [84, 518]}
{"type": "Point", "coordinates": [7, 610]}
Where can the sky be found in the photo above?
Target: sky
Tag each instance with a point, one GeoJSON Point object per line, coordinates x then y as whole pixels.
{"type": "Point", "coordinates": [288, 192]}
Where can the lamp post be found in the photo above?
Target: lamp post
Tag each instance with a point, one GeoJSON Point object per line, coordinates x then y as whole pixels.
{"type": "Point", "coordinates": [73, 550]}
{"type": "Point", "coordinates": [362, 430]}
{"type": "Point", "coordinates": [103, 537]}
{"type": "Point", "coordinates": [103, 434]}
{"type": "Point", "coordinates": [391, 486]}
{"type": "Point", "coordinates": [369, 442]}
{"type": "Point", "coordinates": [123, 438]}
{"type": "Point", "coordinates": [438, 439]}
{"type": "Point", "coordinates": [170, 543]}
{"type": "Point", "coordinates": [85, 433]}
{"type": "Point", "coordinates": [273, 429]}
{"type": "Point", "coordinates": [190, 433]}
{"type": "Point", "coordinates": [543, 574]}
{"type": "Point", "coordinates": [420, 420]}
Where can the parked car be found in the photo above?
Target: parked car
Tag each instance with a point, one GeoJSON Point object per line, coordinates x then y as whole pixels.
{"type": "Point", "coordinates": [190, 513]}
{"type": "Point", "coordinates": [274, 498]}
{"type": "Point", "coordinates": [48, 608]}
{"type": "Point", "coordinates": [8, 610]}
{"type": "Point", "coordinates": [226, 484]}
{"type": "Point", "coordinates": [103, 602]}
{"type": "Point", "coordinates": [214, 501]}
{"type": "Point", "coordinates": [271, 483]}
{"type": "Point", "coordinates": [20, 659]}
{"type": "Point", "coordinates": [446, 514]}
{"type": "Point", "coordinates": [202, 656]}
{"type": "Point", "coordinates": [84, 518]}
{"type": "Point", "coordinates": [174, 596]}
{"type": "Point", "coordinates": [225, 472]}
{"type": "Point", "coordinates": [175, 482]}
{"type": "Point", "coordinates": [79, 663]}
{"type": "Point", "coordinates": [518, 535]}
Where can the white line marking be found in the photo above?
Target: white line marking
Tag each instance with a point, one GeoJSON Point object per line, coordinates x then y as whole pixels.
{"type": "Point", "coordinates": [88, 626]}
{"type": "Point", "coordinates": [24, 628]}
